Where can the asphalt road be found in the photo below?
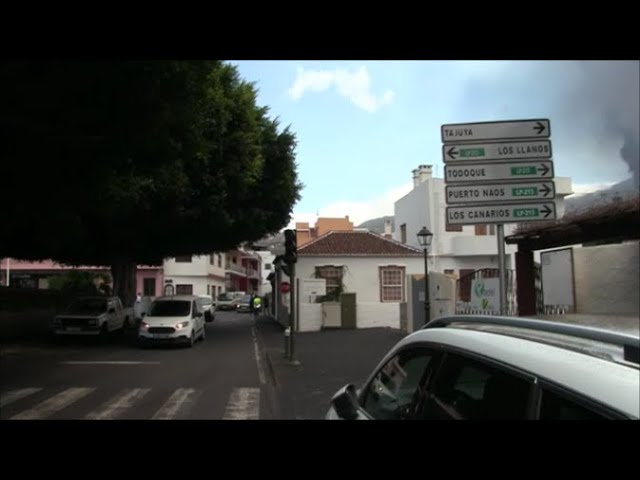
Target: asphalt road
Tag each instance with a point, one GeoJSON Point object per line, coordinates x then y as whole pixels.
{"type": "Point", "coordinates": [222, 377]}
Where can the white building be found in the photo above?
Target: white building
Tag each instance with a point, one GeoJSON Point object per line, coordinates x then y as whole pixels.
{"type": "Point", "coordinates": [196, 275]}
{"type": "Point", "coordinates": [456, 250]}
{"type": "Point", "coordinates": [358, 262]}
{"type": "Point", "coordinates": [267, 267]}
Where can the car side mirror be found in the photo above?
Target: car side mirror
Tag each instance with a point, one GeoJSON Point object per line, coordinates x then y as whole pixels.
{"type": "Point", "coordinates": [345, 402]}
{"type": "Point", "coordinates": [112, 310]}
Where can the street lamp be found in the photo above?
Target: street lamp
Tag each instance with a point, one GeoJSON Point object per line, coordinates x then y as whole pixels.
{"type": "Point", "coordinates": [424, 239]}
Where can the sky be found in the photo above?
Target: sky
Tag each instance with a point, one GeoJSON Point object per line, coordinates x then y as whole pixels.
{"type": "Point", "coordinates": [363, 126]}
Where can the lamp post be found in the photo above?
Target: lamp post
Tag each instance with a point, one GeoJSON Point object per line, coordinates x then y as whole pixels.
{"type": "Point", "coordinates": [424, 239]}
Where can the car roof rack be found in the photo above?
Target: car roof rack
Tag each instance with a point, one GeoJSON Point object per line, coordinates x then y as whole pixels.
{"type": "Point", "coordinates": [629, 343]}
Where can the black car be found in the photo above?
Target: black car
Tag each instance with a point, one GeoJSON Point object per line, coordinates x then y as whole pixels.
{"type": "Point", "coordinates": [244, 304]}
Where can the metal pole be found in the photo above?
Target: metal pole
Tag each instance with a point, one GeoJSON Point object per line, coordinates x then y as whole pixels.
{"type": "Point", "coordinates": [8, 272]}
{"type": "Point", "coordinates": [503, 270]}
{"type": "Point", "coordinates": [427, 300]}
{"type": "Point", "coordinates": [292, 311]}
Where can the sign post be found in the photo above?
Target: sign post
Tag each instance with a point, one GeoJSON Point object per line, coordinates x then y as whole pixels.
{"type": "Point", "coordinates": [496, 173]}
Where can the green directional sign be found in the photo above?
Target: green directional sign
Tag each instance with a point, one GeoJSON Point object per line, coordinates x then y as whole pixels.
{"type": "Point", "coordinates": [501, 213]}
{"type": "Point", "coordinates": [452, 152]}
{"type": "Point", "coordinates": [500, 192]}
{"type": "Point", "coordinates": [528, 170]}
{"type": "Point", "coordinates": [488, 172]}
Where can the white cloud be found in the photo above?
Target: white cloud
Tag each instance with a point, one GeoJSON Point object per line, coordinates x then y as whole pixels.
{"type": "Point", "coordinates": [354, 85]}
{"type": "Point", "coordinates": [358, 212]}
{"type": "Point", "coordinates": [584, 188]}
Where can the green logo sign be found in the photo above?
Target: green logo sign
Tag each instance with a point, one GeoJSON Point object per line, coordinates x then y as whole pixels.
{"type": "Point", "coordinates": [525, 192]}
{"type": "Point", "coordinates": [523, 170]}
{"type": "Point", "coordinates": [472, 152]}
{"type": "Point", "coordinates": [526, 212]}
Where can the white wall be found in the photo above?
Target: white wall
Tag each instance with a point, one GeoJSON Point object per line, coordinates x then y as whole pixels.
{"type": "Point", "coordinates": [198, 273]}
{"type": "Point", "coordinates": [606, 279]}
{"type": "Point", "coordinates": [199, 282]}
{"type": "Point", "coordinates": [310, 317]}
{"type": "Point", "coordinates": [267, 258]}
{"type": "Point", "coordinates": [360, 274]}
{"type": "Point", "coordinates": [369, 315]}
{"type": "Point", "coordinates": [197, 266]}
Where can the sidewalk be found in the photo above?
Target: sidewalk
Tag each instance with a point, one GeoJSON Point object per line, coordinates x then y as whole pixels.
{"type": "Point", "coordinates": [328, 360]}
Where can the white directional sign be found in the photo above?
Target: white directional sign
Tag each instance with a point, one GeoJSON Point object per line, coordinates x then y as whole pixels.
{"type": "Point", "coordinates": [464, 132]}
{"type": "Point", "coordinates": [501, 213]}
{"type": "Point", "coordinates": [496, 151]}
{"type": "Point", "coordinates": [499, 192]}
{"type": "Point", "coordinates": [490, 172]}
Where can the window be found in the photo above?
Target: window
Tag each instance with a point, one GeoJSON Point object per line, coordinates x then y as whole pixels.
{"type": "Point", "coordinates": [449, 271]}
{"type": "Point", "coordinates": [219, 260]}
{"type": "Point", "coordinates": [453, 228]}
{"type": "Point", "coordinates": [468, 389]}
{"type": "Point", "coordinates": [267, 266]}
{"type": "Point", "coordinates": [492, 229]}
{"type": "Point", "coordinates": [393, 392]}
{"type": "Point", "coordinates": [208, 289]}
{"type": "Point", "coordinates": [211, 259]}
{"type": "Point", "coordinates": [183, 259]}
{"type": "Point", "coordinates": [333, 276]}
{"type": "Point", "coordinates": [481, 229]}
{"type": "Point", "coordinates": [556, 407]}
{"type": "Point", "coordinates": [219, 290]}
{"type": "Point", "coordinates": [149, 287]}
{"type": "Point", "coordinates": [403, 233]}
{"type": "Point", "coordinates": [391, 284]}
{"type": "Point", "coordinates": [184, 289]}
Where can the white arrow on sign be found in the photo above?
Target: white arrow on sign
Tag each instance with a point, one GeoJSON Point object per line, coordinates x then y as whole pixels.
{"type": "Point", "coordinates": [500, 192]}
{"type": "Point", "coordinates": [465, 132]}
{"type": "Point", "coordinates": [496, 151]}
{"type": "Point", "coordinates": [501, 213]}
{"type": "Point", "coordinates": [488, 172]}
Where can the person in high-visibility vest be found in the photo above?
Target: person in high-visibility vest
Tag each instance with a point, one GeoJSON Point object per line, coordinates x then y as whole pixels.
{"type": "Point", "coordinates": [256, 303]}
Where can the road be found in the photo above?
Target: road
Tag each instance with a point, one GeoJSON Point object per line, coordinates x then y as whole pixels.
{"type": "Point", "coordinates": [222, 377]}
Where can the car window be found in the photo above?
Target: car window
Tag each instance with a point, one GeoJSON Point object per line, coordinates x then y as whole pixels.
{"type": "Point", "coordinates": [466, 388]}
{"type": "Point", "coordinates": [392, 394]}
{"type": "Point", "coordinates": [557, 407]}
{"type": "Point", "coordinates": [169, 308]}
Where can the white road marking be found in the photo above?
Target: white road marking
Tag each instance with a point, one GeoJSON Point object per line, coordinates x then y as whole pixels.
{"type": "Point", "coordinates": [257, 355]}
{"type": "Point", "coordinates": [244, 404]}
{"type": "Point", "coordinates": [54, 404]}
{"type": "Point", "coordinates": [105, 362]}
{"type": "Point", "coordinates": [118, 404]}
{"type": "Point", "coordinates": [15, 395]}
{"type": "Point", "coordinates": [179, 403]}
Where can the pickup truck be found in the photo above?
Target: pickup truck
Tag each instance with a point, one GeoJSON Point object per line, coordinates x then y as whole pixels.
{"type": "Point", "coordinates": [93, 316]}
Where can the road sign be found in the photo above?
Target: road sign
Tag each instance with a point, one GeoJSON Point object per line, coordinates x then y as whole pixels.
{"type": "Point", "coordinates": [285, 287]}
{"type": "Point", "coordinates": [459, 132]}
{"type": "Point", "coordinates": [499, 192]}
{"type": "Point", "coordinates": [501, 213]}
{"type": "Point", "coordinates": [496, 151]}
{"type": "Point", "coordinates": [490, 172]}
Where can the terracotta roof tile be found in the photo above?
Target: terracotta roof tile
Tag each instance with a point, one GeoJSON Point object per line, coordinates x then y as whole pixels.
{"type": "Point", "coordinates": [356, 243]}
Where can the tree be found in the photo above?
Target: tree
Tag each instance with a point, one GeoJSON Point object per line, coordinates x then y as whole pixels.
{"type": "Point", "coordinates": [125, 163]}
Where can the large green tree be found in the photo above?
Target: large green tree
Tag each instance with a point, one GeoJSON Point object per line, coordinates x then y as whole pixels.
{"type": "Point", "coordinates": [125, 163]}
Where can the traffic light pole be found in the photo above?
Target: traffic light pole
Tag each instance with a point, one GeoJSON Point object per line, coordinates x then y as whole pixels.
{"type": "Point", "coordinates": [292, 312]}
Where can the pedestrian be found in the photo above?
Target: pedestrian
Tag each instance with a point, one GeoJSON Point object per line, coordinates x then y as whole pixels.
{"type": "Point", "coordinates": [256, 304]}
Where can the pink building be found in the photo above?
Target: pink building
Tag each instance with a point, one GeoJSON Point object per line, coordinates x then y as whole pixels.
{"type": "Point", "coordinates": [28, 274]}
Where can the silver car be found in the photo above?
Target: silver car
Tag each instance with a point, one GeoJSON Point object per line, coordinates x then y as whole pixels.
{"type": "Point", "coordinates": [486, 368]}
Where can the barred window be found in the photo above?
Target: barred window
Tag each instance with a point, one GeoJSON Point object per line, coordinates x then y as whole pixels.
{"type": "Point", "coordinates": [391, 284]}
{"type": "Point", "coordinates": [333, 276]}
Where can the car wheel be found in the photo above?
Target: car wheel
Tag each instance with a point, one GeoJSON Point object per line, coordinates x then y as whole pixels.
{"type": "Point", "coordinates": [192, 339]}
{"type": "Point", "coordinates": [204, 334]}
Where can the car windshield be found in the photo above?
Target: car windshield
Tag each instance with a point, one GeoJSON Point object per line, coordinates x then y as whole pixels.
{"type": "Point", "coordinates": [224, 297]}
{"type": "Point", "coordinates": [170, 308]}
{"type": "Point", "coordinates": [205, 301]}
{"type": "Point", "coordinates": [245, 299]}
{"type": "Point", "coordinates": [86, 306]}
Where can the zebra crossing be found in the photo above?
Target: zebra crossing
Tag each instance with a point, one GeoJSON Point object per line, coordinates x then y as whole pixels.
{"type": "Point", "coordinates": [41, 404]}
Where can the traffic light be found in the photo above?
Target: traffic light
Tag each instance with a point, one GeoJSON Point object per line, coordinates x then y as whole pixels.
{"type": "Point", "coordinates": [290, 247]}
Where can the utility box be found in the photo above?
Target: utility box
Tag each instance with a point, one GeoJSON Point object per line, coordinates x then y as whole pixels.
{"type": "Point", "coordinates": [331, 315]}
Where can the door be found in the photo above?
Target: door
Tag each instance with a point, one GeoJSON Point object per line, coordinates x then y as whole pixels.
{"type": "Point", "coordinates": [417, 302]}
{"type": "Point", "coordinates": [348, 310]}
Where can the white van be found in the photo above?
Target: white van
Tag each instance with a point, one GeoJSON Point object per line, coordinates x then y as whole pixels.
{"type": "Point", "coordinates": [173, 319]}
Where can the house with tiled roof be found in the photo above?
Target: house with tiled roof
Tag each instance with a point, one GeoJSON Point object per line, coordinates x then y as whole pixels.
{"type": "Point", "coordinates": [364, 271]}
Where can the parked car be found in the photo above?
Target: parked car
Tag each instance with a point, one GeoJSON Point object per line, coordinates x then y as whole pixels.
{"type": "Point", "coordinates": [244, 304]}
{"type": "Point", "coordinates": [173, 319]}
{"type": "Point", "coordinates": [207, 307]}
{"type": "Point", "coordinates": [483, 367]}
{"type": "Point", "coordinates": [227, 301]}
{"type": "Point", "coordinates": [93, 316]}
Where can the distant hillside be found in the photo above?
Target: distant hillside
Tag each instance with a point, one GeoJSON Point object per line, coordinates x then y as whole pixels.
{"type": "Point", "coordinates": [377, 224]}
{"type": "Point", "coordinates": [619, 191]}
{"type": "Point", "coordinates": [274, 243]}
